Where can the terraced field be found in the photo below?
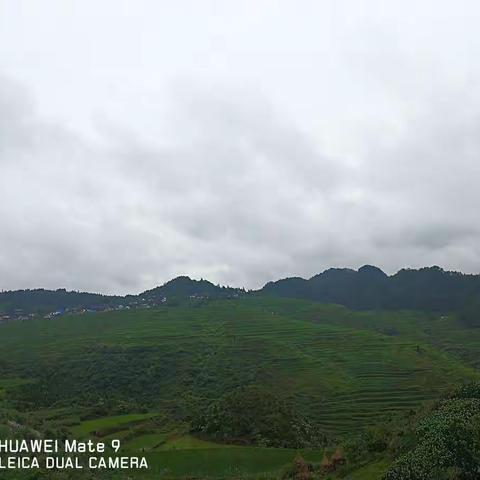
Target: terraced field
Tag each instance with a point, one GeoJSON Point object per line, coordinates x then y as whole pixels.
{"type": "Point", "coordinates": [103, 424]}
{"type": "Point", "coordinates": [336, 365]}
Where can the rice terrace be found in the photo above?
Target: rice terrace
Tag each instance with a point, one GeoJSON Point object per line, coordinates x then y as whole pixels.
{"type": "Point", "coordinates": [232, 384]}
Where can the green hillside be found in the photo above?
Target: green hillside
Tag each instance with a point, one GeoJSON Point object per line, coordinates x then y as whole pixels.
{"type": "Point", "coordinates": [428, 289]}
{"type": "Point", "coordinates": [143, 375]}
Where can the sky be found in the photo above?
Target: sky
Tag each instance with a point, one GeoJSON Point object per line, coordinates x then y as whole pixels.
{"type": "Point", "coordinates": [238, 141]}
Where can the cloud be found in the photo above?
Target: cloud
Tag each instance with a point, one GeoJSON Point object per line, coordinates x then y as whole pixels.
{"type": "Point", "coordinates": [234, 182]}
{"type": "Point", "coordinates": [234, 192]}
{"type": "Point", "coordinates": [243, 148]}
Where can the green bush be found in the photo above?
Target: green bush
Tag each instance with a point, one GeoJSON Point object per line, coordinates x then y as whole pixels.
{"type": "Point", "coordinates": [448, 444]}
{"type": "Point", "coordinates": [253, 415]}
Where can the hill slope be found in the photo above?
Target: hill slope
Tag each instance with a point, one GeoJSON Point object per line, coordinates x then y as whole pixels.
{"type": "Point", "coordinates": [342, 369]}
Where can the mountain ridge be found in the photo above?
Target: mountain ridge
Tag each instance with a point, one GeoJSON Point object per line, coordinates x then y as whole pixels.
{"type": "Point", "coordinates": [368, 288]}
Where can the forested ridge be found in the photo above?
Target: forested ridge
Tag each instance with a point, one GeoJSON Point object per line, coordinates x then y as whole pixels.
{"type": "Point", "coordinates": [429, 289]}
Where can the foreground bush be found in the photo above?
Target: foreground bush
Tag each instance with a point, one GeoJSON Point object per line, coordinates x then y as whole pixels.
{"type": "Point", "coordinates": [252, 415]}
{"type": "Point", "coordinates": [448, 442]}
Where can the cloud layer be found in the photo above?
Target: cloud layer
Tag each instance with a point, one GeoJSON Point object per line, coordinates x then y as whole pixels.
{"type": "Point", "coordinates": [229, 181]}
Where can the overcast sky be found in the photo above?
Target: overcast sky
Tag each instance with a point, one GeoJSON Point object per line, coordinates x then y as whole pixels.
{"type": "Point", "coordinates": [239, 141]}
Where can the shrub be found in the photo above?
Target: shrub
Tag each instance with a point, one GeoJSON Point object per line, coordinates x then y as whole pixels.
{"type": "Point", "coordinates": [252, 415]}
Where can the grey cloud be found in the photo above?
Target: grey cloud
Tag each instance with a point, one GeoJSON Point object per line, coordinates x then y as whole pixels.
{"type": "Point", "coordinates": [233, 191]}
{"type": "Point", "coordinates": [104, 218]}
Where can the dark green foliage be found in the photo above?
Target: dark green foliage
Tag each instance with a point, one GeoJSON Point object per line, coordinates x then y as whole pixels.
{"type": "Point", "coordinates": [41, 300]}
{"type": "Point", "coordinates": [371, 442]}
{"type": "Point", "coordinates": [469, 390]}
{"type": "Point", "coordinates": [183, 286]}
{"type": "Point", "coordinates": [470, 313]}
{"type": "Point", "coordinates": [448, 442]}
{"type": "Point", "coordinates": [254, 415]}
{"type": "Point", "coordinates": [428, 289]}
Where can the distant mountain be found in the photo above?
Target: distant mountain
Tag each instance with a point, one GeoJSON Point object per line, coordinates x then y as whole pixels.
{"type": "Point", "coordinates": [19, 302]}
{"type": "Point", "coordinates": [40, 300]}
{"type": "Point", "coordinates": [183, 286]}
{"type": "Point", "coordinates": [429, 289]}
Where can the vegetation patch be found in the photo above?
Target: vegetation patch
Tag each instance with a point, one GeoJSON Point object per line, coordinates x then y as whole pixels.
{"type": "Point", "coordinates": [102, 424]}
{"type": "Point", "coordinates": [254, 415]}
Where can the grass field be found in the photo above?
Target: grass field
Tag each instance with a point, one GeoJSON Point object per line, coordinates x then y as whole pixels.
{"type": "Point", "coordinates": [87, 427]}
{"type": "Point", "coordinates": [372, 471]}
{"type": "Point", "coordinates": [6, 383]}
{"type": "Point", "coordinates": [343, 369]}
{"type": "Point", "coordinates": [223, 462]}
{"type": "Point", "coordinates": [188, 442]}
{"type": "Point", "coordinates": [147, 442]}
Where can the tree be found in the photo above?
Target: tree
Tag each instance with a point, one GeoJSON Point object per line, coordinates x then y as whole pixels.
{"type": "Point", "coordinates": [254, 415]}
{"type": "Point", "coordinates": [470, 314]}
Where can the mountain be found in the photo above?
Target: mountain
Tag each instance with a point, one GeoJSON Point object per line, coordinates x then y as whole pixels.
{"type": "Point", "coordinates": [20, 302]}
{"type": "Point", "coordinates": [368, 288]}
{"type": "Point", "coordinates": [428, 289]}
{"type": "Point", "coordinates": [40, 300]}
{"type": "Point", "coordinates": [183, 286]}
